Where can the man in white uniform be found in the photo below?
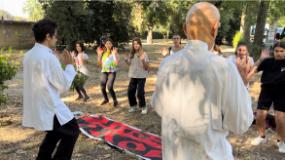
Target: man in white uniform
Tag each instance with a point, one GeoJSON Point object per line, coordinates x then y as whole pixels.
{"type": "Point", "coordinates": [44, 81]}
{"type": "Point", "coordinates": [201, 96]}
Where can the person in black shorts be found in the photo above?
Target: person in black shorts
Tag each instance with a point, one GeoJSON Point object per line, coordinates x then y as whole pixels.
{"type": "Point", "coordinates": [272, 93]}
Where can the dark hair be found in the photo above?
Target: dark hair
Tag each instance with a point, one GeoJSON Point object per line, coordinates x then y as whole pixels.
{"type": "Point", "coordinates": [42, 28]}
{"type": "Point", "coordinates": [279, 44]}
{"type": "Point", "coordinates": [81, 45]}
{"type": "Point", "coordinates": [241, 44]}
{"type": "Point", "coordinates": [133, 51]}
{"type": "Point", "coordinates": [110, 40]}
{"type": "Point", "coordinates": [217, 49]}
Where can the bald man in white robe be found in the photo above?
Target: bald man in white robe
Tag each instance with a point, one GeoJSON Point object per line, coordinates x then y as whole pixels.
{"type": "Point", "coordinates": [200, 96]}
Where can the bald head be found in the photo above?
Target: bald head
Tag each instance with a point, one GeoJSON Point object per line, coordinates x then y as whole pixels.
{"type": "Point", "coordinates": [202, 23]}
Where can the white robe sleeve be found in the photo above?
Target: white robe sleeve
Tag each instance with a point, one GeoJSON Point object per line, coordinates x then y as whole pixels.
{"type": "Point", "coordinates": [157, 97]}
{"type": "Point", "coordinates": [59, 78]}
{"type": "Point", "coordinates": [236, 107]}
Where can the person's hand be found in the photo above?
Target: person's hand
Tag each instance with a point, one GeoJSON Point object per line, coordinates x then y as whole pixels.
{"type": "Point", "coordinates": [264, 54]}
{"type": "Point", "coordinates": [115, 50]}
{"type": "Point", "coordinates": [100, 51]}
{"type": "Point", "coordinates": [164, 51]}
{"type": "Point", "coordinates": [244, 68]}
{"type": "Point", "coordinates": [142, 56]}
{"type": "Point", "coordinates": [66, 57]}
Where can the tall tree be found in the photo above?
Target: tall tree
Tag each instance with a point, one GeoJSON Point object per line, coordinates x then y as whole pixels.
{"type": "Point", "coordinates": [34, 10]}
{"type": "Point", "coordinates": [176, 15]}
{"type": "Point", "coordinates": [250, 12]}
{"type": "Point", "coordinates": [260, 25]}
{"type": "Point", "coordinates": [275, 11]}
{"type": "Point", "coordinates": [154, 13]}
{"type": "Point", "coordinates": [88, 20]}
{"type": "Point", "coordinates": [230, 18]}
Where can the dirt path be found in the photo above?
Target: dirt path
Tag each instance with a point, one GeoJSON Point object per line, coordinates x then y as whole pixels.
{"type": "Point", "coordinates": [17, 142]}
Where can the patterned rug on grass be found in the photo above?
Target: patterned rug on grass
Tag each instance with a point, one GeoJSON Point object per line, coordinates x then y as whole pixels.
{"type": "Point", "coordinates": [121, 136]}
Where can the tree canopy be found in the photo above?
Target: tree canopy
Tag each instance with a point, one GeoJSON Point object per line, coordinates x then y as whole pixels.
{"type": "Point", "coordinates": [88, 20]}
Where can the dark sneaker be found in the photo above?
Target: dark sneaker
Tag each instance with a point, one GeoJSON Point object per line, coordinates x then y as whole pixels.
{"type": "Point", "coordinates": [104, 102]}
{"type": "Point", "coordinates": [86, 99]}
{"type": "Point", "coordinates": [78, 98]}
{"type": "Point", "coordinates": [115, 104]}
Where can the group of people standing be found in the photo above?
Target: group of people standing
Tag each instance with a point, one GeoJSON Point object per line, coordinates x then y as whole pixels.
{"type": "Point", "coordinates": [200, 96]}
{"type": "Point", "coordinates": [108, 61]}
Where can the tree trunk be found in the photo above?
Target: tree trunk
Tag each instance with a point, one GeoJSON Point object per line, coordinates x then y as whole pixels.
{"type": "Point", "coordinates": [259, 29]}
{"type": "Point", "coordinates": [149, 35]}
{"type": "Point", "coordinates": [242, 23]}
{"type": "Point", "coordinates": [249, 20]}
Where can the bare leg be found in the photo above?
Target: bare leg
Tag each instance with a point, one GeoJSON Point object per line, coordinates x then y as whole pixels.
{"type": "Point", "coordinates": [280, 125]}
{"type": "Point", "coordinates": [260, 121]}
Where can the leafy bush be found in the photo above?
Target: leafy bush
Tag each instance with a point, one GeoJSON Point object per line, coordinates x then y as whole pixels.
{"type": "Point", "coordinates": [79, 79]}
{"type": "Point", "coordinates": [8, 70]}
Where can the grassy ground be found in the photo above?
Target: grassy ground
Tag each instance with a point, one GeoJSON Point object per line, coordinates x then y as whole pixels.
{"type": "Point", "coordinates": [17, 142]}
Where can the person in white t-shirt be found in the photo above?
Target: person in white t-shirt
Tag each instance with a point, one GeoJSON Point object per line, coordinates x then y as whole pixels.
{"type": "Point", "coordinates": [177, 46]}
{"type": "Point", "coordinates": [138, 62]}
{"type": "Point", "coordinates": [80, 58]}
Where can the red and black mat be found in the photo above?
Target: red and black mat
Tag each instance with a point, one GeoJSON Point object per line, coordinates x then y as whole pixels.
{"type": "Point", "coordinates": [121, 136]}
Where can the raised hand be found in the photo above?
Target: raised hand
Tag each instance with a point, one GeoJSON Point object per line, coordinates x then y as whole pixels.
{"type": "Point", "coordinates": [244, 68]}
{"type": "Point", "coordinates": [164, 51]}
{"type": "Point", "coordinates": [100, 51]}
{"type": "Point", "coordinates": [142, 56]}
{"type": "Point", "coordinates": [264, 54]}
{"type": "Point", "coordinates": [66, 57]}
{"type": "Point", "coordinates": [115, 50]}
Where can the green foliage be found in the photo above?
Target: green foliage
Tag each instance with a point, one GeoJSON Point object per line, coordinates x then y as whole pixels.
{"type": "Point", "coordinates": [8, 70]}
{"type": "Point", "coordinates": [237, 38]}
{"type": "Point", "coordinates": [177, 14]}
{"type": "Point", "coordinates": [276, 11]}
{"type": "Point", "coordinates": [88, 20]}
{"type": "Point", "coordinates": [34, 9]}
{"type": "Point", "coordinates": [230, 18]}
{"type": "Point", "coordinates": [79, 79]}
{"type": "Point", "coordinates": [281, 21]}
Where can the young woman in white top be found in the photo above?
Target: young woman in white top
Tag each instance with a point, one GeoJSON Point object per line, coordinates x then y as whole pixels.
{"type": "Point", "coordinates": [80, 56]}
{"type": "Point", "coordinates": [240, 54]}
{"type": "Point", "coordinates": [173, 49]}
{"type": "Point", "coordinates": [138, 71]}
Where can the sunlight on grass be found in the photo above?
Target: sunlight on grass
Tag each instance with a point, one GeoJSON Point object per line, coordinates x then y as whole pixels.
{"type": "Point", "coordinates": [12, 134]}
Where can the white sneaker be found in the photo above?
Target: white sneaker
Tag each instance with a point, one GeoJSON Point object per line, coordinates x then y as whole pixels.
{"type": "Point", "coordinates": [133, 109]}
{"type": "Point", "coordinates": [144, 110]}
{"type": "Point", "coordinates": [281, 147]}
{"type": "Point", "coordinates": [258, 140]}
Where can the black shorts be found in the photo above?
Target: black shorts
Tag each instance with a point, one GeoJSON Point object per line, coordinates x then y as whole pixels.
{"type": "Point", "coordinates": [272, 95]}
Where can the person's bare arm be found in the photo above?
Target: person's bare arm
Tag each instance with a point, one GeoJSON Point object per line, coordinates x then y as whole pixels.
{"type": "Point", "coordinates": [80, 59]}
{"type": "Point", "coordinates": [116, 55]}
{"type": "Point", "coordinates": [247, 71]}
{"type": "Point", "coordinates": [144, 62]}
{"type": "Point", "coordinates": [127, 59]}
{"type": "Point", "coordinates": [99, 56]}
